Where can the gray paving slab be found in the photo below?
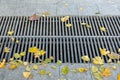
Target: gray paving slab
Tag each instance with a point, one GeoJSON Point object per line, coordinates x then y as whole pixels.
{"type": "Point", "coordinates": [76, 76]}
{"type": "Point", "coordinates": [57, 7]}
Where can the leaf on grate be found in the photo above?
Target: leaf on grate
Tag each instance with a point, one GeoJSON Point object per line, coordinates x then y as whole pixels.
{"type": "Point", "coordinates": [103, 29]}
{"type": "Point", "coordinates": [98, 60]}
{"type": "Point", "coordinates": [2, 64]}
{"type": "Point", "coordinates": [16, 55]}
{"type": "Point", "coordinates": [59, 62]}
{"type": "Point", "coordinates": [86, 24]}
{"type": "Point", "coordinates": [46, 13]}
{"type": "Point", "coordinates": [34, 17]}
{"type": "Point", "coordinates": [12, 66]}
{"type": "Point", "coordinates": [22, 54]}
{"type": "Point", "coordinates": [85, 58]}
{"type": "Point", "coordinates": [103, 51]}
{"type": "Point", "coordinates": [12, 39]}
{"type": "Point", "coordinates": [27, 74]}
{"type": "Point", "coordinates": [82, 70]}
{"type": "Point", "coordinates": [42, 72]}
{"type": "Point", "coordinates": [106, 72]}
{"type": "Point", "coordinates": [113, 55]}
{"type": "Point", "coordinates": [119, 50]}
{"type": "Point", "coordinates": [25, 63]}
{"type": "Point", "coordinates": [65, 70]}
{"type": "Point", "coordinates": [33, 49]}
{"type": "Point", "coordinates": [17, 41]}
{"type": "Point", "coordinates": [10, 32]}
{"type": "Point", "coordinates": [118, 76]}
{"type": "Point", "coordinates": [68, 25]}
{"type": "Point", "coordinates": [6, 49]}
{"type": "Point", "coordinates": [65, 18]}
{"type": "Point", "coordinates": [35, 66]}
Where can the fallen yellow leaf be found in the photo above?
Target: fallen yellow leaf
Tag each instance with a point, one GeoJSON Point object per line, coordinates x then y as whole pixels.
{"type": "Point", "coordinates": [27, 74]}
{"type": "Point", "coordinates": [98, 60]}
{"type": "Point", "coordinates": [6, 49]}
{"type": "Point", "coordinates": [10, 32]}
{"type": "Point", "coordinates": [65, 18]}
{"type": "Point", "coordinates": [85, 58]}
{"type": "Point", "coordinates": [82, 69]}
{"type": "Point", "coordinates": [42, 72]}
{"type": "Point", "coordinates": [103, 29]}
{"type": "Point", "coordinates": [103, 51]}
{"type": "Point", "coordinates": [118, 76]}
{"type": "Point", "coordinates": [68, 25]}
{"type": "Point", "coordinates": [106, 72]}
{"type": "Point", "coordinates": [46, 13]}
{"type": "Point", "coordinates": [119, 50]}
{"type": "Point", "coordinates": [12, 67]}
{"type": "Point", "coordinates": [35, 66]}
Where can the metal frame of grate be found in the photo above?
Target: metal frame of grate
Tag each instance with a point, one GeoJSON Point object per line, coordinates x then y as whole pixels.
{"type": "Point", "coordinates": [52, 26]}
{"type": "Point", "coordinates": [65, 49]}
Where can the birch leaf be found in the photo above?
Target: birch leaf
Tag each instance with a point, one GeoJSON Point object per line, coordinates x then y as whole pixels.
{"type": "Point", "coordinates": [103, 29]}
{"type": "Point", "coordinates": [10, 32]}
{"type": "Point", "coordinates": [27, 68]}
{"type": "Point", "coordinates": [27, 74]}
{"type": "Point", "coordinates": [85, 58]}
{"type": "Point", "coordinates": [94, 69]}
{"type": "Point", "coordinates": [98, 60]}
{"type": "Point", "coordinates": [22, 54]}
{"type": "Point", "coordinates": [35, 66]}
{"type": "Point", "coordinates": [59, 62]}
{"type": "Point", "coordinates": [44, 14]}
{"type": "Point", "coordinates": [53, 67]}
{"type": "Point", "coordinates": [82, 70]}
{"type": "Point", "coordinates": [12, 67]}
{"type": "Point", "coordinates": [98, 76]}
{"type": "Point", "coordinates": [65, 18]}
{"type": "Point", "coordinates": [2, 64]}
{"type": "Point", "coordinates": [113, 55]}
{"type": "Point", "coordinates": [68, 25]}
{"type": "Point", "coordinates": [118, 76]}
{"type": "Point", "coordinates": [65, 70]}
{"type": "Point", "coordinates": [16, 55]}
{"type": "Point", "coordinates": [106, 72]}
{"type": "Point", "coordinates": [103, 51]}
{"type": "Point", "coordinates": [119, 50]}
{"type": "Point", "coordinates": [6, 49]}
{"type": "Point", "coordinates": [42, 72]}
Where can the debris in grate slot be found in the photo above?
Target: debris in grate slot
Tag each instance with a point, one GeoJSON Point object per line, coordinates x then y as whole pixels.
{"type": "Point", "coordinates": [34, 17]}
{"type": "Point", "coordinates": [68, 25]}
{"type": "Point", "coordinates": [86, 25]}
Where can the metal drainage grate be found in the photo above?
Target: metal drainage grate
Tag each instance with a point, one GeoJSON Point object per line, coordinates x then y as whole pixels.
{"type": "Point", "coordinates": [52, 26]}
{"type": "Point", "coordinates": [64, 49]}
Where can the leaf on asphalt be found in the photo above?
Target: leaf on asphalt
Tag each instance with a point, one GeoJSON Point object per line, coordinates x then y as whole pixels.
{"type": "Point", "coordinates": [34, 17]}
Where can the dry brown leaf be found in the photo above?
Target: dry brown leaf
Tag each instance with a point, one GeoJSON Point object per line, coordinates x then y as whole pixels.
{"type": "Point", "coordinates": [34, 17]}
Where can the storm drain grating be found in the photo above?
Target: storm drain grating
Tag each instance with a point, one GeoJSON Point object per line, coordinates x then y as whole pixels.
{"type": "Point", "coordinates": [52, 26]}
{"type": "Point", "coordinates": [65, 44]}
{"type": "Point", "coordinates": [65, 49]}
